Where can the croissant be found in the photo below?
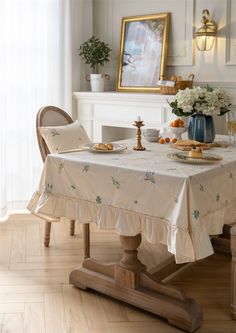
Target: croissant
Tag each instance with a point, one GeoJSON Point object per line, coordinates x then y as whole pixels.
{"type": "Point", "coordinates": [103, 146]}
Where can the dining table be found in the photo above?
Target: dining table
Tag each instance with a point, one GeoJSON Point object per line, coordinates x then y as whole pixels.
{"type": "Point", "coordinates": [159, 195]}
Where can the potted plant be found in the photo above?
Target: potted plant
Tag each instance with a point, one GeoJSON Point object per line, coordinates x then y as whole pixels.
{"type": "Point", "coordinates": [95, 53]}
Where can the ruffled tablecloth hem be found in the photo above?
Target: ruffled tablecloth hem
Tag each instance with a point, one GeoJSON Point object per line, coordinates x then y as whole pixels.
{"type": "Point", "coordinates": [128, 223]}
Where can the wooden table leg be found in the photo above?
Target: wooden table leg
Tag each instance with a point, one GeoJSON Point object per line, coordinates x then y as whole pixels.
{"type": "Point", "coordinates": [128, 281]}
{"type": "Point", "coordinates": [233, 272]}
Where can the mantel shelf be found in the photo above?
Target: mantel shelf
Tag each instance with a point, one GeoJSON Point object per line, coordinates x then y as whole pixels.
{"type": "Point", "coordinates": [105, 114]}
{"type": "Point", "coordinates": [121, 96]}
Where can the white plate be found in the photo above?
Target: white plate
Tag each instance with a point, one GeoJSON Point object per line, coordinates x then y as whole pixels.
{"type": "Point", "coordinates": [152, 139]}
{"type": "Point", "coordinates": [117, 147]}
{"type": "Point", "coordinates": [185, 158]}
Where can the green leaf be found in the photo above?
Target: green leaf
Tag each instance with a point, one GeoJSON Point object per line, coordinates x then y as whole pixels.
{"type": "Point", "coordinates": [95, 52]}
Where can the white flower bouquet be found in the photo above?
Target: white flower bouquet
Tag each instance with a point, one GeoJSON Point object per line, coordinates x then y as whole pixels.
{"type": "Point", "coordinates": [207, 101]}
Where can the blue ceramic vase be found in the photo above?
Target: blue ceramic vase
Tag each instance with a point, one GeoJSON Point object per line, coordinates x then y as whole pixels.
{"type": "Point", "coordinates": [201, 128]}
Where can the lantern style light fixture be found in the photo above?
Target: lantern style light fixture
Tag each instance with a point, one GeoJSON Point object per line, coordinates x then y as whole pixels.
{"type": "Point", "coordinates": [206, 35]}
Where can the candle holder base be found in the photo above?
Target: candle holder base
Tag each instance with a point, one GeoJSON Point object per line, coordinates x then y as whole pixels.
{"type": "Point", "coordinates": [139, 146]}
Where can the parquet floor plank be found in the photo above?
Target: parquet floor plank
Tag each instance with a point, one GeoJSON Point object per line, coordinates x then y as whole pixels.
{"type": "Point", "coordinates": [33, 244]}
{"type": "Point", "coordinates": [75, 312]}
{"type": "Point", "coordinates": [5, 248]}
{"type": "Point", "coordinates": [13, 307]}
{"type": "Point", "coordinates": [18, 249]}
{"type": "Point", "coordinates": [1, 319]}
{"type": "Point", "coordinates": [114, 311]}
{"type": "Point", "coordinates": [35, 296]}
{"type": "Point", "coordinates": [54, 313]}
{"type": "Point", "coordinates": [13, 323]}
{"type": "Point", "coordinates": [94, 312]}
{"type": "Point", "coordinates": [34, 318]}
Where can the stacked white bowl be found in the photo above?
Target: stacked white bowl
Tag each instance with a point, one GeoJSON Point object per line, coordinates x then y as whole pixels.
{"type": "Point", "coordinates": [151, 134]}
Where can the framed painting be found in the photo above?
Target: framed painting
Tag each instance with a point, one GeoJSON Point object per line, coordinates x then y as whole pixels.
{"type": "Point", "coordinates": [143, 52]}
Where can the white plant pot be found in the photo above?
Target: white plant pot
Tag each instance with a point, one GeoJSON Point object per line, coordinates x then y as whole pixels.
{"type": "Point", "coordinates": [97, 82]}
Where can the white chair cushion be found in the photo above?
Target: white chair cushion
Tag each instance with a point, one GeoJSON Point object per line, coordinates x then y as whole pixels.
{"type": "Point", "coordinates": [60, 138]}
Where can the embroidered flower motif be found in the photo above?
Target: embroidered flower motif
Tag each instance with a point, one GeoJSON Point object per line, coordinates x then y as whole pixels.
{"type": "Point", "coordinates": [48, 188]}
{"type": "Point", "coordinates": [150, 176]}
{"type": "Point", "coordinates": [98, 199]}
{"type": "Point", "coordinates": [54, 132]}
{"type": "Point", "coordinates": [86, 168]}
{"type": "Point", "coordinates": [60, 167]}
{"type": "Point", "coordinates": [115, 182]}
{"type": "Point", "coordinates": [196, 214]}
{"type": "Point", "coordinates": [202, 188]}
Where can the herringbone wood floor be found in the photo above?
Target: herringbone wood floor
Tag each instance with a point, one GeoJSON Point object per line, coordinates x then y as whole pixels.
{"type": "Point", "coordinates": [35, 296]}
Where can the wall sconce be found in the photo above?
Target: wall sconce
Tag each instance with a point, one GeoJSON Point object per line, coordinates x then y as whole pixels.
{"type": "Point", "coordinates": [206, 35]}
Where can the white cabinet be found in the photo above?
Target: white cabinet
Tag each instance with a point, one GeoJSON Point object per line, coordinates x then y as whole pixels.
{"type": "Point", "coordinates": [110, 115]}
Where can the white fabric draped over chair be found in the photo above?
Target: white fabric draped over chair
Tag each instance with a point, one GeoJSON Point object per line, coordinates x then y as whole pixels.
{"type": "Point", "coordinates": [36, 60]}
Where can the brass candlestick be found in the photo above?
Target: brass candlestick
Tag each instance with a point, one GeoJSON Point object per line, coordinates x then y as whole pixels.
{"type": "Point", "coordinates": [139, 146]}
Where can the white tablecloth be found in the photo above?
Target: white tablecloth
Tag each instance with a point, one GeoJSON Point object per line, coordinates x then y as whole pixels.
{"type": "Point", "coordinates": [176, 204]}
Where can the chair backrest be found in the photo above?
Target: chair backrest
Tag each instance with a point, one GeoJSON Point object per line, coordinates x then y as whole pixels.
{"type": "Point", "coordinates": [50, 116]}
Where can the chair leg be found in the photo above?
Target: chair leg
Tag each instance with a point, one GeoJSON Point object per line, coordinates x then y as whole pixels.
{"type": "Point", "coordinates": [86, 240]}
{"type": "Point", "coordinates": [47, 233]}
{"type": "Point", "coordinates": [72, 227]}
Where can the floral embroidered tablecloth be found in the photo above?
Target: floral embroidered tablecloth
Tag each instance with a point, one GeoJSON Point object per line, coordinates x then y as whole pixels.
{"type": "Point", "coordinates": [176, 204]}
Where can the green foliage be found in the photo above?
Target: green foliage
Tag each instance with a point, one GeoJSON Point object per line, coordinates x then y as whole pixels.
{"type": "Point", "coordinates": [95, 53]}
{"type": "Point", "coordinates": [224, 110]}
{"type": "Point", "coordinates": [177, 111]}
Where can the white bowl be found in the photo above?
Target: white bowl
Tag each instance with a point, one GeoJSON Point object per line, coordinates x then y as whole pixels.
{"type": "Point", "coordinates": [152, 138]}
{"type": "Point", "coordinates": [151, 132]}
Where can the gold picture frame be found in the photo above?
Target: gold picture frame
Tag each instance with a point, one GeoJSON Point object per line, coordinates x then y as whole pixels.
{"type": "Point", "coordinates": [143, 52]}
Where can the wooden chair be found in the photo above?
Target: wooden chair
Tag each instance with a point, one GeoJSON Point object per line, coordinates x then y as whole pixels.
{"type": "Point", "coordinates": [51, 116]}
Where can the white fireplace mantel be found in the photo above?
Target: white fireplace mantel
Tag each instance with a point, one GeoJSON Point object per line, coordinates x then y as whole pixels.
{"type": "Point", "coordinates": [99, 112]}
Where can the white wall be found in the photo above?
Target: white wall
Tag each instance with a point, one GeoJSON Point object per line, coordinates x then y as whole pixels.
{"type": "Point", "coordinates": [216, 67]}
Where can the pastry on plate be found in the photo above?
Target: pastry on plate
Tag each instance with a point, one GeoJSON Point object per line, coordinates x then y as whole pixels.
{"type": "Point", "coordinates": [103, 146]}
{"type": "Point", "coordinates": [109, 146]}
{"type": "Point", "coordinates": [195, 152]}
{"type": "Point", "coordinates": [189, 144]}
